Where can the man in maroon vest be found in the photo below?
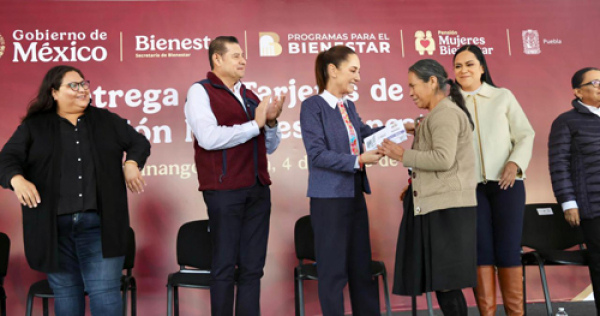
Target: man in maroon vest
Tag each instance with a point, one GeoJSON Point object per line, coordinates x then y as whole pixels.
{"type": "Point", "coordinates": [234, 131]}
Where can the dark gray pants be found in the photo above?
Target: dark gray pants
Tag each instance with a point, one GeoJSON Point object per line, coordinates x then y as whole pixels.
{"type": "Point", "coordinates": [239, 230]}
{"type": "Point", "coordinates": [343, 251]}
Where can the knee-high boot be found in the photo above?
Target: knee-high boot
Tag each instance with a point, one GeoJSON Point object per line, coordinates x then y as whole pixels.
{"type": "Point", "coordinates": [511, 286]}
{"type": "Point", "coordinates": [485, 292]}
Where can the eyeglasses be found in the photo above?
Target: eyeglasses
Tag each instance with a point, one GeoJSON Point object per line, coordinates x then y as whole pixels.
{"type": "Point", "coordinates": [85, 85]}
{"type": "Point", "coordinates": [595, 83]}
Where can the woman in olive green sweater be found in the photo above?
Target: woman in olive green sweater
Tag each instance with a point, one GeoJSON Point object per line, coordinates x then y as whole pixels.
{"type": "Point", "coordinates": [436, 248]}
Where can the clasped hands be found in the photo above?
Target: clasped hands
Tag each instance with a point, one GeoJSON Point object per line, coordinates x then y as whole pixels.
{"type": "Point", "coordinates": [269, 110]}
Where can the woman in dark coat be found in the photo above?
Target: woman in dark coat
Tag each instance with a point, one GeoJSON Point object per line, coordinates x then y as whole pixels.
{"type": "Point", "coordinates": [65, 165]}
{"type": "Point", "coordinates": [574, 157]}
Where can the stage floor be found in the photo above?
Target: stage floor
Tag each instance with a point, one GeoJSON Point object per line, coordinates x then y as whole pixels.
{"type": "Point", "coordinates": [537, 309]}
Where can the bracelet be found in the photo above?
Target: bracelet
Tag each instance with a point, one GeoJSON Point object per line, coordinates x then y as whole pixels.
{"type": "Point", "coordinates": [131, 161]}
{"type": "Point", "coordinates": [361, 164]}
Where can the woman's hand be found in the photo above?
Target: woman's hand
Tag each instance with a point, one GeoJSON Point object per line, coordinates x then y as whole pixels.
{"type": "Point", "coordinates": [572, 216]}
{"type": "Point", "coordinates": [370, 157]}
{"type": "Point", "coordinates": [133, 177]}
{"type": "Point", "coordinates": [391, 149]}
{"type": "Point", "coordinates": [403, 193]}
{"type": "Point", "coordinates": [25, 191]}
{"type": "Point", "coordinates": [410, 128]}
{"type": "Point", "coordinates": [508, 175]}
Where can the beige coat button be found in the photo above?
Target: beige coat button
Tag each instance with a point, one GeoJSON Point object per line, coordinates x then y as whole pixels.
{"type": "Point", "coordinates": [418, 210]}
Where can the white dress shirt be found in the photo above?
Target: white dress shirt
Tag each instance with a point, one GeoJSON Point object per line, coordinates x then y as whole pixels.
{"type": "Point", "coordinates": [212, 136]}
{"type": "Point", "coordinates": [573, 204]}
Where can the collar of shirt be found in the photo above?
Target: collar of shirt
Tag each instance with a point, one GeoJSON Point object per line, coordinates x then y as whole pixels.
{"type": "Point", "coordinates": [236, 87]}
{"type": "Point", "coordinates": [332, 100]}
{"type": "Point", "coordinates": [62, 119]}
{"type": "Point", "coordinates": [473, 92]}
{"type": "Point", "coordinates": [484, 90]}
{"type": "Point", "coordinates": [592, 109]}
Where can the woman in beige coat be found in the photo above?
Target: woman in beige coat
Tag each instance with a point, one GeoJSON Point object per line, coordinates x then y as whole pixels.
{"type": "Point", "coordinates": [436, 248]}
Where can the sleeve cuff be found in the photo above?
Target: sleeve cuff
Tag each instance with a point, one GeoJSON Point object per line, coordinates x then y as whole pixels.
{"type": "Point", "coordinates": [251, 128]}
{"type": "Point", "coordinates": [270, 131]}
{"type": "Point", "coordinates": [9, 178]}
{"type": "Point", "coordinates": [409, 158]}
{"type": "Point", "coordinates": [522, 165]}
{"type": "Point", "coordinates": [134, 157]}
{"type": "Point", "coordinates": [357, 164]}
{"type": "Point", "coordinates": [569, 205]}
{"type": "Point", "coordinates": [269, 127]}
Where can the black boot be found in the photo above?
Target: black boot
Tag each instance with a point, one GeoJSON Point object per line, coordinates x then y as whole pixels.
{"type": "Point", "coordinates": [452, 303]}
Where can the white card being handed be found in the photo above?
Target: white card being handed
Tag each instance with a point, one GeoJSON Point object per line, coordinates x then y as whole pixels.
{"type": "Point", "coordinates": [394, 131]}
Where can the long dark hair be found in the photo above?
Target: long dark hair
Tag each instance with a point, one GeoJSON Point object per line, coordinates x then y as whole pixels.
{"type": "Point", "coordinates": [44, 102]}
{"type": "Point", "coordinates": [486, 76]}
{"type": "Point", "coordinates": [427, 68]}
{"type": "Point", "coordinates": [335, 55]}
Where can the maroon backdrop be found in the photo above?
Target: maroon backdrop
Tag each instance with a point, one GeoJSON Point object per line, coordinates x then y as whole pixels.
{"type": "Point", "coordinates": [141, 58]}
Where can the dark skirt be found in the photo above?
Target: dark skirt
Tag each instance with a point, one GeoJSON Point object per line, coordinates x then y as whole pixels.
{"type": "Point", "coordinates": [436, 251]}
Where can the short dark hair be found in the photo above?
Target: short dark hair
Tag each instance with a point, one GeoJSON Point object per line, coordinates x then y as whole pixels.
{"type": "Point", "coordinates": [217, 46]}
{"type": "Point", "coordinates": [577, 79]}
{"type": "Point", "coordinates": [486, 76]}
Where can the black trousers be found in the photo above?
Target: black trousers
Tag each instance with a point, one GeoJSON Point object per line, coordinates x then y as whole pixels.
{"type": "Point", "coordinates": [343, 253]}
{"type": "Point", "coordinates": [499, 224]}
{"type": "Point", "coordinates": [591, 234]}
{"type": "Point", "coordinates": [239, 229]}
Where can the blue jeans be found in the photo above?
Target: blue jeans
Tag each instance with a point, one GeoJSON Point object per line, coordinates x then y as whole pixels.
{"type": "Point", "coordinates": [84, 270]}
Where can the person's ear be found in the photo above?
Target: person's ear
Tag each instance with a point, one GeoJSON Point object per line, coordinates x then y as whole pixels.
{"type": "Point", "coordinates": [433, 81]}
{"type": "Point", "coordinates": [577, 93]}
{"type": "Point", "coordinates": [216, 58]}
{"type": "Point", "coordinates": [332, 71]}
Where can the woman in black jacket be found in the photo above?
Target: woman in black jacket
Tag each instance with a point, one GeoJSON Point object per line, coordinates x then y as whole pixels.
{"type": "Point", "coordinates": [65, 165]}
{"type": "Point", "coordinates": [574, 158]}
